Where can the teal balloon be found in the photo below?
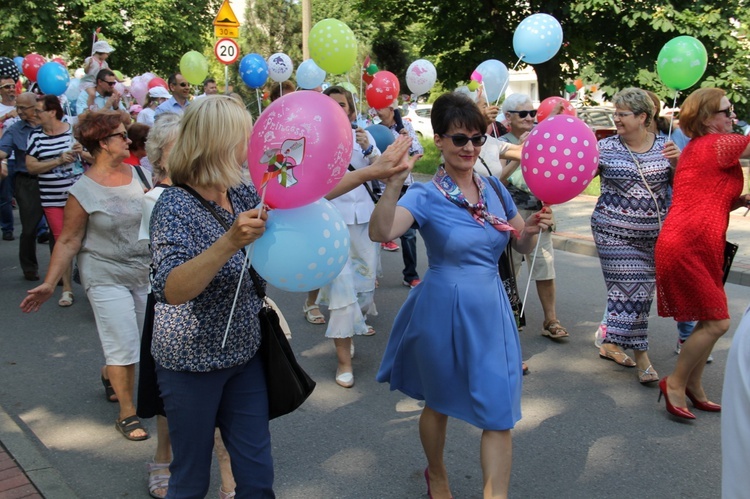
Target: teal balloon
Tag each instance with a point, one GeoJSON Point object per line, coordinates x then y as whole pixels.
{"type": "Point", "coordinates": [53, 78]}
{"type": "Point", "coordinates": [303, 248]}
{"type": "Point", "coordinates": [537, 38]}
{"type": "Point", "coordinates": [382, 135]}
{"type": "Point", "coordinates": [309, 75]}
{"type": "Point", "coordinates": [682, 62]}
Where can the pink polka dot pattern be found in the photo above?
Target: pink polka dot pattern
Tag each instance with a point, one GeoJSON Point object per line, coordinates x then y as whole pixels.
{"type": "Point", "coordinates": [559, 159]}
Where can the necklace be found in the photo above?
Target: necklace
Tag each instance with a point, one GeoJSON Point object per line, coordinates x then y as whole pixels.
{"type": "Point", "coordinates": [643, 146]}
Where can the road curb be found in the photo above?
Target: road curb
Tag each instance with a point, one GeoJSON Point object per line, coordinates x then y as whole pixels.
{"type": "Point", "coordinates": [582, 245]}
{"type": "Point", "coordinates": [45, 478]}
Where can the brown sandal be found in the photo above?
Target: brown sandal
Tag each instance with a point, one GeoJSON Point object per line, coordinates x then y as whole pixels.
{"type": "Point", "coordinates": [616, 356]}
{"type": "Point", "coordinates": [553, 329]}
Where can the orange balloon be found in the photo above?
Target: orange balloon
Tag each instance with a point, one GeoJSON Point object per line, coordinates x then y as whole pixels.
{"type": "Point", "coordinates": [594, 88]}
{"type": "Point", "coordinates": [578, 84]}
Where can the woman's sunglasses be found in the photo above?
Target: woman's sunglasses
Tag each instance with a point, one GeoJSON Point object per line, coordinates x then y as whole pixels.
{"type": "Point", "coordinates": [460, 140]}
{"type": "Point", "coordinates": [728, 111]}
{"type": "Point", "coordinates": [523, 114]}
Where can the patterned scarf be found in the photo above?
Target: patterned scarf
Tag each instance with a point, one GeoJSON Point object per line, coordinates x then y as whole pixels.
{"type": "Point", "coordinates": [450, 190]}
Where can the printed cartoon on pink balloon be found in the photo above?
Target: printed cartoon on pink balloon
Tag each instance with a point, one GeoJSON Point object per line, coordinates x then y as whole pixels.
{"type": "Point", "coordinates": [549, 104]}
{"type": "Point", "coordinates": [559, 159]}
{"type": "Point", "coordinates": [383, 90]}
{"type": "Point", "coordinates": [31, 64]}
{"type": "Point", "coordinates": [299, 150]}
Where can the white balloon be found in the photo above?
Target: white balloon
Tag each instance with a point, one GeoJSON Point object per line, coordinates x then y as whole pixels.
{"type": "Point", "coordinates": [421, 76]}
{"type": "Point", "coordinates": [280, 67]}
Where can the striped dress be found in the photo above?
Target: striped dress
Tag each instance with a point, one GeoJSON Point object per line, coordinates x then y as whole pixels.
{"type": "Point", "coordinates": [55, 183]}
{"type": "Point", "coordinates": [625, 224]}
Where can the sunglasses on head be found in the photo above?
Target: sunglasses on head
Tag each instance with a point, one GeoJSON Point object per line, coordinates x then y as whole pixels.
{"type": "Point", "coordinates": [728, 111]}
{"type": "Point", "coordinates": [523, 114]}
{"type": "Point", "coordinates": [7, 86]}
{"type": "Point", "coordinates": [460, 140]}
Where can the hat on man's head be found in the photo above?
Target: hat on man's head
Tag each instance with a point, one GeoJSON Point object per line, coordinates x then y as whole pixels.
{"type": "Point", "coordinates": [103, 47]}
{"type": "Point", "coordinates": [159, 93]}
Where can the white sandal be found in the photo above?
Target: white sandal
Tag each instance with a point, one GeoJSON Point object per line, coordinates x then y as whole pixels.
{"type": "Point", "coordinates": [66, 300]}
{"type": "Point", "coordinates": [318, 318]}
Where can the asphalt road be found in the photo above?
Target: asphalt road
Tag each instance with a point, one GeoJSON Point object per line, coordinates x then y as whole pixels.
{"type": "Point", "coordinates": [589, 430]}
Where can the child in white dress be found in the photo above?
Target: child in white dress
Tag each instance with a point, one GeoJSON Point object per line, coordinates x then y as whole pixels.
{"type": "Point", "coordinates": [92, 66]}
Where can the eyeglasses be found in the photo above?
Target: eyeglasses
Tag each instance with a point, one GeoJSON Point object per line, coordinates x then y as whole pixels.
{"type": "Point", "coordinates": [110, 83]}
{"type": "Point", "coordinates": [460, 140]}
{"type": "Point", "coordinates": [184, 84]}
{"type": "Point", "coordinates": [728, 111]}
{"type": "Point", "coordinates": [6, 87]}
{"type": "Point", "coordinates": [523, 114]}
{"type": "Point", "coordinates": [24, 108]}
{"type": "Point", "coordinates": [622, 114]}
{"type": "Point", "coordinates": [122, 135]}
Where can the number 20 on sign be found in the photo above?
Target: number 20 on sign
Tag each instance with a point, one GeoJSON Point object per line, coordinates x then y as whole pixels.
{"type": "Point", "coordinates": [227, 51]}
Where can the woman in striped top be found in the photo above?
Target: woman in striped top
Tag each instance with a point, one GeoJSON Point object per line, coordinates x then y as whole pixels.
{"type": "Point", "coordinates": [54, 155]}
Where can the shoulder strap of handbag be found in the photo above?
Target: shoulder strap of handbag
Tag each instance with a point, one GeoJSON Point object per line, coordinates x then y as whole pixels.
{"type": "Point", "coordinates": [497, 190]}
{"type": "Point", "coordinates": [484, 163]}
{"type": "Point", "coordinates": [142, 176]}
{"type": "Point", "coordinates": [367, 186]}
{"type": "Point", "coordinates": [640, 172]}
{"type": "Point", "coordinates": [253, 273]}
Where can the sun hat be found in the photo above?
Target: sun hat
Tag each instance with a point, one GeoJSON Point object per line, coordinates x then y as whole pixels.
{"type": "Point", "coordinates": [159, 93]}
{"type": "Point", "coordinates": [103, 47]}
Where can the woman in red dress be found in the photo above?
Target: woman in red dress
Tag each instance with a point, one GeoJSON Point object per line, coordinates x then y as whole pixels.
{"type": "Point", "coordinates": [690, 248]}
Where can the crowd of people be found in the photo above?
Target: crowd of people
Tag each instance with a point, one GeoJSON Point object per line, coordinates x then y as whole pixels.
{"type": "Point", "coordinates": [152, 209]}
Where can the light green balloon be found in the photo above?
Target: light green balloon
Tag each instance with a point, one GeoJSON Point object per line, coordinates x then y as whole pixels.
{"type": "Point", "coordinates": [118, 75]}
{"type": "Point", "coordinates": [194, 67]}
{"type": "Point", "coordinates": [682, 62]}
{"type": "Point", "coordinates": [349, 87]}
{"type": "Point", "coordinates": [333, 46]}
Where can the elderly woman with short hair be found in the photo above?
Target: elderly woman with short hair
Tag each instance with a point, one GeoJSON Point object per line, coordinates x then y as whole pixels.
{"type": "Point", "coordinates": [635, 168]}
{"type": "Point", "coordinates": [101, 222]}
{"type": "Point", "coordinates": [690, 249]}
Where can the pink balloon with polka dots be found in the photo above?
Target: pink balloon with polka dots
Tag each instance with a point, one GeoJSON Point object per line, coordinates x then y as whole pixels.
{"type": "Point", "coordinates": [559, 159]}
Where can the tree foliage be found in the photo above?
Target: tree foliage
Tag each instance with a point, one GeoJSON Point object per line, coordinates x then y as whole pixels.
{"type": "Point", "coordinates": [148, 35]}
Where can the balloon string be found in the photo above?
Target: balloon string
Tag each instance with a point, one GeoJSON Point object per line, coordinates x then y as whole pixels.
{"type": "Point", "coordinates": [257, 96]}
{"type": "Point", "coordinates": [281, 90]}
{"type": "Point", "coordinates": [671, 118]}
{"type": "Point", "coordinates": [531, 268]}
{"type": "Point", "coordinates": [246, 261]}
{"type": "Point", "coordinates": [507, 80]}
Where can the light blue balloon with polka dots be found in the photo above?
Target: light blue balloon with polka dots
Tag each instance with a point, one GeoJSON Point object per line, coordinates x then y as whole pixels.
{"type": "Point", "coordinates": [303, 248]}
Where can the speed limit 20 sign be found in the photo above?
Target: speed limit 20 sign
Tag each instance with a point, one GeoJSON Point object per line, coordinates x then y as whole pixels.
{"type": "Point", "coordinates": [227, 51]}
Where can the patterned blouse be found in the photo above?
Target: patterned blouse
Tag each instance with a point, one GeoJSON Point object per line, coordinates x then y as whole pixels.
{"type": "Point", "coordinates": [188, 337]}
{"type": "Point", "coordinates": [625, 208]}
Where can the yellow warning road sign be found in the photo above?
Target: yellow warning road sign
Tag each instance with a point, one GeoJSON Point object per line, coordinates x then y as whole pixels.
{"type": "Point", "coordinates": [226, 18]}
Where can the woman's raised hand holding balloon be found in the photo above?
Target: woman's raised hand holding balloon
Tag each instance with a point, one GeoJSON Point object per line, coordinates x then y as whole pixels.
{"type": "Point", "coordinates": [247, 227]}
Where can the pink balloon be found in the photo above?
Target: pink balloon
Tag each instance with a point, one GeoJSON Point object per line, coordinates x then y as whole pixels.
{"type": "Point", "coordinates": [300, 149]}
{"type": "Point", "coordinates": [559, 159]}
{"type": "Point", "coordinates": [157, 82]}
{"type": "Point", "coordinates": [120, 88]}
{"type": "Point", "coordinates": [548, 104]}
{"type": "Point", "coordinates": [139, 89]}
{"type": "Point", "coordinates": [31, 64]}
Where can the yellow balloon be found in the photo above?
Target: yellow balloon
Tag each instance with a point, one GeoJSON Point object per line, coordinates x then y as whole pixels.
{"type": "Point", "coordinates": [194, 67]}
{"type": "Point", "coordinates": [333, 46]}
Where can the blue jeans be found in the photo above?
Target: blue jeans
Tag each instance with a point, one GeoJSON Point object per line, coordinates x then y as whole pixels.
{"type": "Point", "coordinates": [235, 400]}
{"type": "Point", "coordinates": [685, 329]}
{"type": "Point", "coordinates": [409, 253]}
{"type": "Point", "coordinates": [6, 206]}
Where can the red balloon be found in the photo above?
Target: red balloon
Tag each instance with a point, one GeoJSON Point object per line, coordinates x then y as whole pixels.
{"type": "Point", "coordinates": [19, 87]}
{"type": "Point", "coordinates": [548, 104]}
{"type": "Point", "coordinates": [383, 90]}
{"type": "Point", "coordinates": [157, 82]}
{"type": "Point", "coordinates": [31, 65]}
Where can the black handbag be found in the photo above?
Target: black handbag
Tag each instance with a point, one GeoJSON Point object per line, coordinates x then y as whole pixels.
{"type": "Point", "coordinates": [730, 249]}
{"type": "Point", "coordinates": [288, 385]}
{"type": "Point", "coordinates": [508, 273]}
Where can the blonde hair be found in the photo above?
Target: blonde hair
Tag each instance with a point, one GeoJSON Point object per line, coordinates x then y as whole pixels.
{"type": "Point", "coordinates": [204, 155]}
{"type": "Point", "coordinates": [162, 135]}
{"type": "Point", "coordinates": [637, 100]}
{"type": "Point", "coordinates": [697, 108]}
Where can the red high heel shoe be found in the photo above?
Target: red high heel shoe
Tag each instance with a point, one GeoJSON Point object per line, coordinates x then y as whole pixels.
{"type": "Point", "coordinates": [427, 479]}
{"type": "Point", "coordinates": [680, 412]}
{"type": "Point", "coordinates": [702, 406]}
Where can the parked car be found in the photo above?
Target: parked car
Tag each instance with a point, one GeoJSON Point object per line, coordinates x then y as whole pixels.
{"type": "Point", "coordinates": [601, 120]}
{"type": "Point", "coordinates": [420, 119]}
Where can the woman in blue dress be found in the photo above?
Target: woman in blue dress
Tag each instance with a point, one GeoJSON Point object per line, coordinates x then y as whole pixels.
{"type": "Point", "coordinates": [454, 342]}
